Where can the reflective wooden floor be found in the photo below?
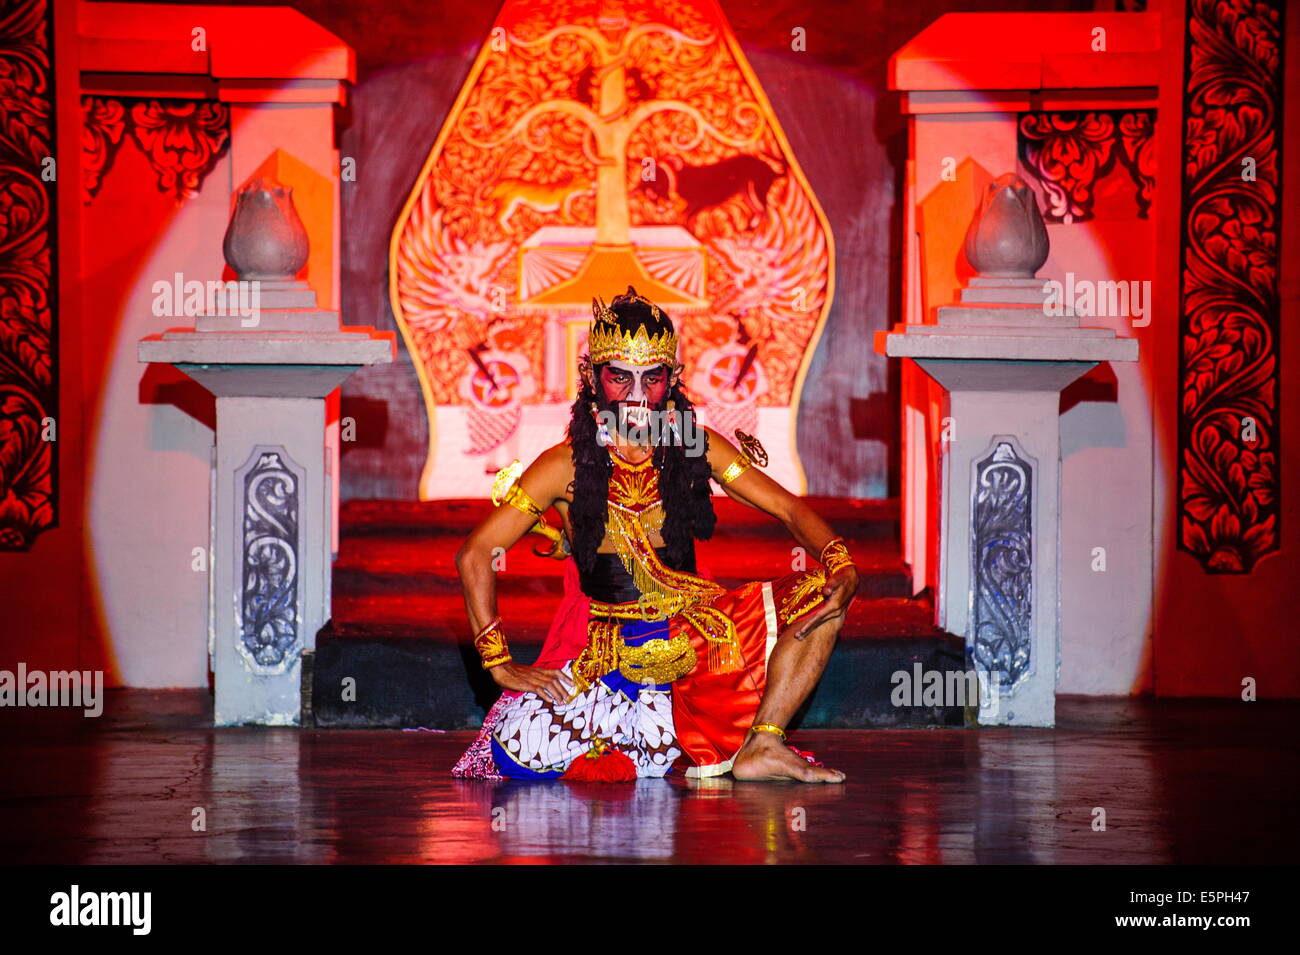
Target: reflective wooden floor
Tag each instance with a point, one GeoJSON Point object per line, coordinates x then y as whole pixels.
{"type": "Point", "coordinates": [1179, 781]}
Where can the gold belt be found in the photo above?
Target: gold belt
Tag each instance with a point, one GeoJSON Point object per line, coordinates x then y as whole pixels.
{"type": "Point", "coordinates": [658, 660]}
{"type": "Point", "coordinates": [649, 608]}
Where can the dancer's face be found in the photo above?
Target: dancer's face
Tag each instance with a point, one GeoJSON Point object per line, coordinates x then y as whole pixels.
{"type": "Point", "coordinates": [635, 390]}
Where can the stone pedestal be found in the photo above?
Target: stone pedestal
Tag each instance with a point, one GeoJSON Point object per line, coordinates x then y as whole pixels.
{"type": "Point", "coordinates": [1003, 365]}
{"type": "Point", "coordinates": [269, 583]}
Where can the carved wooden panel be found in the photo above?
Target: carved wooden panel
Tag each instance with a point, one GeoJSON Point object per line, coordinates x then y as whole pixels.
{"type": "Point", "coordinates": [1229, 477]}
{"type": "Point", "coordinates": [29, 388]}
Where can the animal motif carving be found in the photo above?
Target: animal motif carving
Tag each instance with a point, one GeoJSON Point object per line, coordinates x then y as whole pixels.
{"type": "Point", "coordinates": [709, 186]}
{"type": "Point", "coordinates": [508, 195]}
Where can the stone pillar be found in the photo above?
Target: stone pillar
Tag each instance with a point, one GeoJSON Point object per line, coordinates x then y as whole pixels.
{"type": "Point", "coordinates": [271, 359]}
{"type": "Point", "coordinates": [1003, 355]}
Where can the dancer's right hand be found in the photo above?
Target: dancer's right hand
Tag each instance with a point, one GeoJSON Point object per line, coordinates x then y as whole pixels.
{"type": "Point", "coordinates": [548, 684]}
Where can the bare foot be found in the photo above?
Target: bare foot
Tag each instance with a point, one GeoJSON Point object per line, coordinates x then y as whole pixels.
{"type": "Point", "coordinates": [765, 757]}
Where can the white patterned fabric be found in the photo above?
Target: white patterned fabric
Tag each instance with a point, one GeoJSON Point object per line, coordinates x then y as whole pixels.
{"type": "Point", "coordinates": [545, 738]}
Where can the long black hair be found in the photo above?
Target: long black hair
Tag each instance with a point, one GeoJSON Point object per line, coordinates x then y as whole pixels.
{"type": "Point", "coordinates": [683, 479]}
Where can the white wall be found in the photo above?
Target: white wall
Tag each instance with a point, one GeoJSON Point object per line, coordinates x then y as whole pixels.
{"type": "Point", "coordinates": [1106, 462]}
{"type": "Point", "coordinates": [148, 464]}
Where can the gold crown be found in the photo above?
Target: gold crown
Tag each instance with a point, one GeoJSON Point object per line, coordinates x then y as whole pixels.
{"type": "Point", "coordinates": [607, 341]}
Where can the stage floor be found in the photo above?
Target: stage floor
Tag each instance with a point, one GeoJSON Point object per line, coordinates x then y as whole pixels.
{"type": "Point", "coordinates": [1179, 782]}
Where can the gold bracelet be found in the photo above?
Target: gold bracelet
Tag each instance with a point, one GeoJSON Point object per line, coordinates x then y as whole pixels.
{"type": "Point", "coordinates": [835, 556]}
{"type": "Point", "coordinates": [767, 728]}
{"type": "Point", "coordinates": [490, 642]}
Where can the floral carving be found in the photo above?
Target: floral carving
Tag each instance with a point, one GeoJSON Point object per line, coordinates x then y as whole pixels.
{"type": "Point", "coordinates": [183, 141]}
{"type": "Point", "coordinates": [28, 385]}
{"type": "Point", "coordinates": [1137, 137]}
{"type": "Point", "coordinates": [103, 124]}
{"type": "Point", "coordinates": [1229, 483]}
{"type": "Point", "coordinates": [1069, 152]}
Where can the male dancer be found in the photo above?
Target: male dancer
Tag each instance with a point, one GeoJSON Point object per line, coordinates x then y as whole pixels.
{"type": "Point", "coordinates": [647, 660]}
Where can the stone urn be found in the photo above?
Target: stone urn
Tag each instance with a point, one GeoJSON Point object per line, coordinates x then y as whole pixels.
{"type": "Point", "coordinates": [265, 239]}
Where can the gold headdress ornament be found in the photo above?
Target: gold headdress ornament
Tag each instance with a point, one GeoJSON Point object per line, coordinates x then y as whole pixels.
{"type": "Point", "coordinates": [607, 341]}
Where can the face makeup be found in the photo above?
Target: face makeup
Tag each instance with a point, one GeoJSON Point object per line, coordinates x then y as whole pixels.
{"type": "Point", "coordinates": [635, 390]}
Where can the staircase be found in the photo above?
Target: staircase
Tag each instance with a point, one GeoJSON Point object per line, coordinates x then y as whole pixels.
{"type": "Point", "coordinates": [399, 628]}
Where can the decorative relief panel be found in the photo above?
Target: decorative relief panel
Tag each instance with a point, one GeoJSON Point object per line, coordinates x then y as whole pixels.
{"type": "Point", "coordinates": [29, 382]}
{"type": "Point", "coordinates": [1002, 564]}
{"type": "Point", "coordinates": [270, 593]}
{"type": "Point", "coordinates": [1070, 152]}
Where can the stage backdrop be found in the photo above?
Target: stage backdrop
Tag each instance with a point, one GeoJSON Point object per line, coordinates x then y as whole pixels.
{"type": "Point", "coordinates": [592, 148]}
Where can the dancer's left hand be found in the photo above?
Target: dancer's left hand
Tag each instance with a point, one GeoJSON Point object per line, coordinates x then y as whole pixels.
{"type": "Point", "coordinates": [839, 592]}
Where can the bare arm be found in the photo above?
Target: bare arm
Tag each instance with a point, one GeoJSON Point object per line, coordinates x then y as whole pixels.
{"type": "Point", "coordinates": [811, 532]}
{"type": "Point", "coordinates": [546, 481]}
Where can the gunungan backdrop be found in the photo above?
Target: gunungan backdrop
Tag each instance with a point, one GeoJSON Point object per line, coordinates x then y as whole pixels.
{"type": "Point", "coordinates": [585, 152]}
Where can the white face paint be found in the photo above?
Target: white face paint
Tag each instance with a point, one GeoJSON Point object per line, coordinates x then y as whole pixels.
{"type": "Point", "coordinates": [636, 406]}
{"type": "Point", "coordinates": [637, 372]}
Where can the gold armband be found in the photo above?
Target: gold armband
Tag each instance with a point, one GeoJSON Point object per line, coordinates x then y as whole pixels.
{"type": "Point", "coordinates": [518, 498]}
{"type": "Point", "coordinates": [751, 453]}
{"type": "Point", "coordinates": [752, 447]}
{"type": "Point", "coordinates": [736, 468]}
{"type": "Point", "coordinates": [506, 490]}
{"type": "Point", "coordinates": [835, 556]}
{"type": "Point", "coordinates": [490, 642]}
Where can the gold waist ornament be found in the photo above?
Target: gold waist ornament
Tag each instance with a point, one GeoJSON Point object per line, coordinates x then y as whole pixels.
{"type": "Point", "coordinates": [657, 660]}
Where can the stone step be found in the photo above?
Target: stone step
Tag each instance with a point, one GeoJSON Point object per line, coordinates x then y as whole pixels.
{"type": "Point", "coordinates": [374, 564]}
{"type": "Point", "coordinates": [399, 629]}
{"type": "Point", "coordinates": [441, 616]}
{"type": "Point", "coordinates": [851, 518]}
{"type": "Point", "coordinates": [411, 675]}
